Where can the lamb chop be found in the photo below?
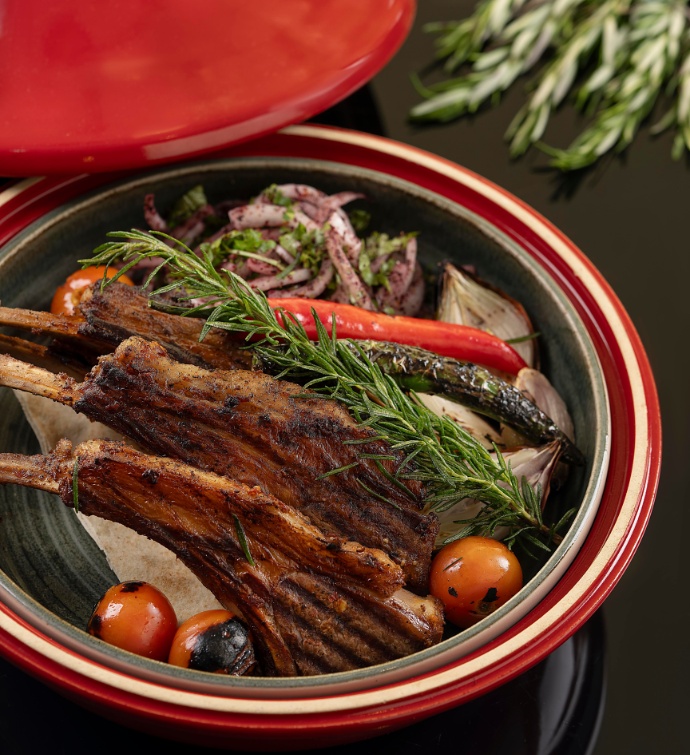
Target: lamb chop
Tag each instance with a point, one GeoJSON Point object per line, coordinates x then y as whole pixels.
{"type": "Point", "coordinates": [40, 355]}
{"type": "Point", "coordinates": [315, 603]}
{"type": "Point", "coordinates": [306, 451]}
{"type": "Point", "coordinates": [107, 317]}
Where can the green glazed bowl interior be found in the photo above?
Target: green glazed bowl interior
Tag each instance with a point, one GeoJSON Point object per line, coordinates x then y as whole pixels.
{"type": "Point", "coordinates": [51, 572]}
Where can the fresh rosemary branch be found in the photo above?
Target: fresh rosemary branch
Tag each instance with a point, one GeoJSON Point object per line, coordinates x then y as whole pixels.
{"type": "Point", "coordinates": [654, 37]}
{"type": "Point", "coordinates": [458, 42]}
{"type": "Point", "coordinates": [449, 462]}
{"type": "Point", "coordinates": [521, 44]}
{"type": "Point", "coordinates": [679, 113]}
{"type": "Point", "coordinates": [599, 30]}
{"type": "Point", "coordinates": [615, 58]}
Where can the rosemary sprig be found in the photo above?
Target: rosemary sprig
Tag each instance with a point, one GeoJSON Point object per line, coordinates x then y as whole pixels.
{"type": "Point", "coordinates": [615, 58]}
{"type": "Point", "coordinates": [460, 41]}
{"type": "Point", "coordinates": [655, 33]}
{"type": "Point", "coordinates": [521, 44]}
{"type": "Point", "coordinates": [679, 113]}
{"type": "Point", "coordinates": [600, 30]}
{"type": "Point", "coordinates": [449, 462]}
{"type": "Point", "coordinates": [242, 538]}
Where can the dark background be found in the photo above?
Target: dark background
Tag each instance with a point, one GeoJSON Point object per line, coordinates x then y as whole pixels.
{"type": "Point", "coordinates": [620, 685]}
{"type": "Point", "coordinates": [630, 216]}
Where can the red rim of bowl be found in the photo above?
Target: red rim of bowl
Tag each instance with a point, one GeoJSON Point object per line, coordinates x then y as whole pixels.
{"type": "Point", "coordinates": [617, 530]}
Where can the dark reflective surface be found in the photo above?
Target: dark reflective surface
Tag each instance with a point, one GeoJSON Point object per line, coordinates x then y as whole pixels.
{"type": "Point", "coordinates": [555, 707]}
{"type": "Point", "coordinates": [630, 217]}
{"type": "Point", "coordinates": [628, 694]}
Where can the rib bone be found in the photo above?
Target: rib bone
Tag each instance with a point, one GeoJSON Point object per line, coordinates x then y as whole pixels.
{"type": "Point", "coordinates": [314, 603]}
{"type": "Point", "coordinates": [107, 317]}
{"type": "Point", "coordinates": [38, 354]}
{"type": "Point", "coordinates": [257, 430]}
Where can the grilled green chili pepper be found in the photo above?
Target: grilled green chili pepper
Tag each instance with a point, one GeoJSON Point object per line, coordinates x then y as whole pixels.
{"type": "Point", "coordinates": [472, 386]}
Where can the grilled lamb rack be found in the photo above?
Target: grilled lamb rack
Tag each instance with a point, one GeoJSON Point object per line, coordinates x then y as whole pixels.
{"type": "Point", "coordinates": [107, 317]}
{"type": "Point", "coordinates": [315, 603]}
{"type": "Point", "coordinates": [259, 431]}
{"type": "Point", "coordinates": [41, 356]}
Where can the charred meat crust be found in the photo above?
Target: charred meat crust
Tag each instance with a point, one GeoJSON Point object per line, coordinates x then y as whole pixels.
{"type": "Point", "coordinates": [104, 318]}
{"type": "Point", "coordinates": [266, 433]}
{"type": "Point", "coordinates": [116, 312]}
{"type": "Point", "coordinates": [314, 603]}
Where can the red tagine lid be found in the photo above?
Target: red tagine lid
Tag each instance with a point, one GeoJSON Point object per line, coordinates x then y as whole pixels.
{"type": "Point", "coordinates": [92, 87]}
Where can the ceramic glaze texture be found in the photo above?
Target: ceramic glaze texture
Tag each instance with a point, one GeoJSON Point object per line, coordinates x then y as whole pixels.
{"type": "Point", "coordinates": [130, 84]}
{"type": "Point", "coordinates": [584, 329]}
{"type": "Point", "coordinates": [64, 554]}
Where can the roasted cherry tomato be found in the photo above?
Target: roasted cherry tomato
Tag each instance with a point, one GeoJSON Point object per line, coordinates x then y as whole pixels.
{"type": "Point", "coordinates": [135, 616]}
{"type": "Point", "coordinates": [473, 577]}
{"type": "Point", "coordinates": [67, 296]}
{"type": "Point", "coordinates": [213, 641]}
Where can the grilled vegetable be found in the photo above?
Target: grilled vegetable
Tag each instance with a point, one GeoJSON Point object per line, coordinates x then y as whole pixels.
{"type": "Point", "coordinates": [473, 577]}
{"type": "Point", "coordinates": [135, 616]}
{"type": "Point", "coordinates": [537, 467]}
{"type": "Point", "coordinates": [473, 386]}
{"type": "Point", "coordinates": [214, 641]}
{"type": "Point", "coordinates": [465, 299]}
{"type": "Point", "coordinates": [67, 296]}
{"type": "Point", "coordinates": [457, 341]}
{"type": "Point", "coordinates": [481, 429]}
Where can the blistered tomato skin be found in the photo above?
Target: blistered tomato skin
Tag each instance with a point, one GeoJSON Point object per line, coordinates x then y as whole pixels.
{"type": "Point", "coordinates": [473, 577]}
{"type": "Point", "coordinates": [214, 641]}
{"type": "Point", "coordinates": [135, 616]}
{"type": "Point", "coordinates": [67, 296]}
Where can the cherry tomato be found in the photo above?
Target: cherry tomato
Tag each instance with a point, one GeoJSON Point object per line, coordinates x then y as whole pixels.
{"type": "Point", "coordinates": [135, 616]}
{"type": "Point", "coordinates": [473, 577]}
{"type": "Point", "coordinates": [67, 296]}
{"type": "Point", "coordinates": [214, 641]}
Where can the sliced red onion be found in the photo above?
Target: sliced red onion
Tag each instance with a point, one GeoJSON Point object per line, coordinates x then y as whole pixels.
{"type": "Point", "coordinates": [334, 204]}
{"type": "Point", "coordinates": [257, 216]}
{"type": "Point", "coordinates": [314, 288]}
{"type": "Point", "coordinates": [260, 267]}
{"type": "Point", "coordinates": [300, 218]}
{"type": "Point", "coordinates": [399, 278]}
{"type": "Point", "coordinates": [270, 282]}
{"type": "Point", "coordinates": [217, 235]}
{"type": "Point", "coordinates": [283, 254]}
{"type": "Point", "coordinates": [314, 210]}
{"type": "Point", "coordinates": [357, 292]}
{"type": "Point", "coordinates": [340, 223]}
{"type": "Point", "coordinates": [152, 216]}
{"type": "Point", "coordinates": [194, 225]}
{"type": "Point", "coordinates": [296, 193]}
{"type": "Point", "coordinates": [413, 299]}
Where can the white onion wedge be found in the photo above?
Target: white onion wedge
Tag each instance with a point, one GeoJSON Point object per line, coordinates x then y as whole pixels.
{"type": "Point", "coordinates": [465, 300]}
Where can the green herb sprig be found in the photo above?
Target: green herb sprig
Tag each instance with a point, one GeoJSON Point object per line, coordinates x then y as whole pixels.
{"type": "Point", "coordinates": [615, 59]}
{"type": "Point", "coordinates": [446, 459]}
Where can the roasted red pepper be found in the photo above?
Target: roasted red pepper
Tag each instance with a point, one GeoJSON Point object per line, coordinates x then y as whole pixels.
{"type": "Point", "coordinates": [456, 341]}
